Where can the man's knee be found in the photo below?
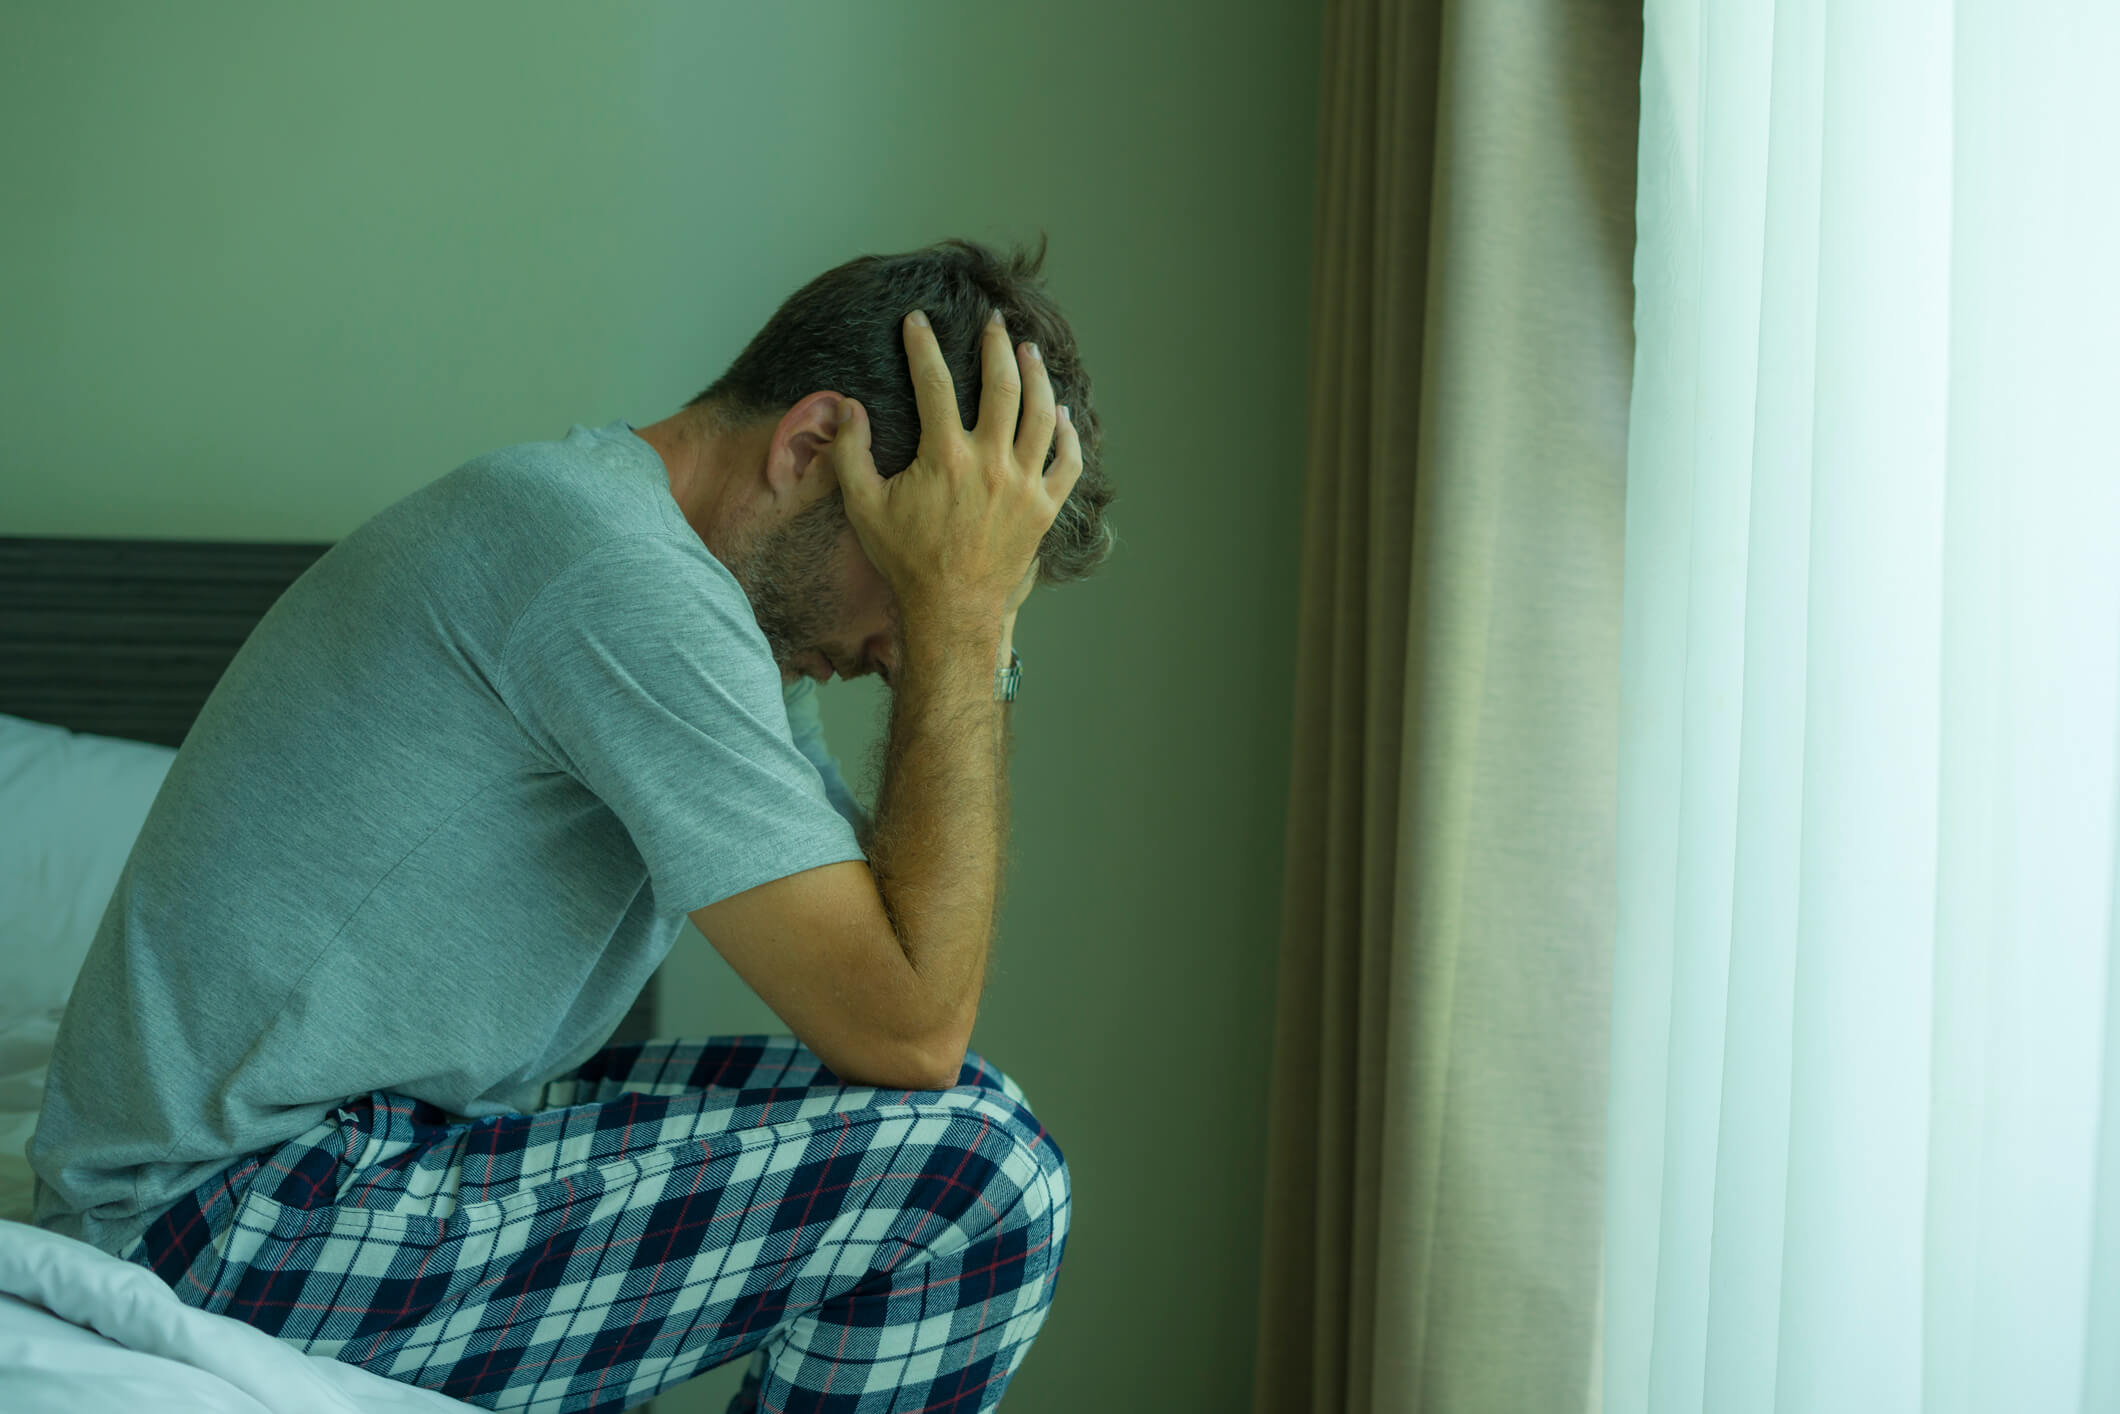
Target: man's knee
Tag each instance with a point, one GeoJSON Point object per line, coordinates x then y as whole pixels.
{"type": "Point", "coordinates": [1038, 1167]}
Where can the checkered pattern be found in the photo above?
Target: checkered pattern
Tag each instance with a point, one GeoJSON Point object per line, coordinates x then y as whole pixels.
{"type": "Point", "coordinates": [674, 1206]}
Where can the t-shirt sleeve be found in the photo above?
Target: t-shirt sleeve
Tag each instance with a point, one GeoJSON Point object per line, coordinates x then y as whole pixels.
{"type": "Point", "coordinates": [640, 670]}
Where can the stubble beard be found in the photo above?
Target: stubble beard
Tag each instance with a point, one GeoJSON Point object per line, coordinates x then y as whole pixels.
{"type": "Point", "coordinates": [790, 574]}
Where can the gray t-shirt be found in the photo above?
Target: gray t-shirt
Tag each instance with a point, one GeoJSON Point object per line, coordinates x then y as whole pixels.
{"type": "Point", "coordinates": [441, 818]}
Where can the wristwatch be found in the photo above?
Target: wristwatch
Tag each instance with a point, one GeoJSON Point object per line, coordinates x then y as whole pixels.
{"type": "Point", "coordinates": [1005, 679]}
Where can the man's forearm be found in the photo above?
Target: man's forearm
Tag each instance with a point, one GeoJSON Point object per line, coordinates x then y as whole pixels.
{"type": "Point", "coordinates": [939, 837]}
{"type": "Point", "coordinates": [865, 821]}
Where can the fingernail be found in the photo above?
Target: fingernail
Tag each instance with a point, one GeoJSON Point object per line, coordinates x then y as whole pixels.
{"type": "Point", "coordinates": [1065, 413]}
{"type": "Point", "coordinates": [920, 318]}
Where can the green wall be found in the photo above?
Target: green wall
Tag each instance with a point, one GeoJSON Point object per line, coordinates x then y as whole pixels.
{"type": "Point", "coordinates": [264, 269]}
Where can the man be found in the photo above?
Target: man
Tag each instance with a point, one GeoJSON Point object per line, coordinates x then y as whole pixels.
{"type": "Point", "coordinates": [332, 1066]}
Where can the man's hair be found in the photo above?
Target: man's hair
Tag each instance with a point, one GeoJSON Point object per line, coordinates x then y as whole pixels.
{"type": "Point", "coordinates": [843, 332]}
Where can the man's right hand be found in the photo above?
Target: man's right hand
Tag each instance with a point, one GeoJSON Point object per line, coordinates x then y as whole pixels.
{"type": "Point", "coordinates": [955, 531]}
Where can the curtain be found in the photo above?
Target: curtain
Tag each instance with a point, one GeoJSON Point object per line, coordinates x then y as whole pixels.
{"type": "Point", "coordinates": [1864, 1136]}
{"type": "Point", "coordinates": [1437, 1103]}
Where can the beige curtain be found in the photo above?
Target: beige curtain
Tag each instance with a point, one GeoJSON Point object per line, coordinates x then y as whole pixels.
{"type": "Point", "coordinates": [1434, 1180]}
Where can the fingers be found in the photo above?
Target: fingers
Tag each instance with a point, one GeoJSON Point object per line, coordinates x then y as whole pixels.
{"type": "Point", "coordinates": [1034, 438]}
{"type": "Point", "coordinates": [1016, 411]}
{"type": "Point", "coordinates": [1000, 388]}
{"type": "Point", "coordinates": [1066, 470]}
{"type": "Point", "coordinates": [933, 388]}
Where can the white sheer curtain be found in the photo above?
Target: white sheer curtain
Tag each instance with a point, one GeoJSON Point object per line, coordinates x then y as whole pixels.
{"type": "Point", "coordinates": [1864, 1140]}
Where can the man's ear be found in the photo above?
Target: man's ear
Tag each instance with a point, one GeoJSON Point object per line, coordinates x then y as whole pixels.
{"type": "Point", "coordinates": [794, 467]}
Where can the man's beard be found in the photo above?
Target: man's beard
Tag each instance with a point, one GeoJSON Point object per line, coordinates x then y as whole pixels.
{"type": "Point", "coordinates": [791, 575]}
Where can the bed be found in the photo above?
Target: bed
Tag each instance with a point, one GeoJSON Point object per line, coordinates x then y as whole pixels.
{"type": "Point", "coordinates": [108, 649]}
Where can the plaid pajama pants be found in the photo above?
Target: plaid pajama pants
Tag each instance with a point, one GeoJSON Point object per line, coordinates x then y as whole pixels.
{"type": "Point", "coordinates": [674, 1206]}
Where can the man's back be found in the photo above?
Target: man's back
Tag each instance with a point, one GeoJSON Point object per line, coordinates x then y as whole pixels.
{"type": "Point", "coordinates": [442, 817]}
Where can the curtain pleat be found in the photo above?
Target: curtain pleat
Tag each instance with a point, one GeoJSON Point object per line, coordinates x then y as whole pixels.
{"type": "Point", "coordinates": [1438, 1090]}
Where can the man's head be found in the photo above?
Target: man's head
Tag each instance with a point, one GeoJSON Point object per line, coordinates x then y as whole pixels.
{"type": "Point", "coordinates": [743, 454]}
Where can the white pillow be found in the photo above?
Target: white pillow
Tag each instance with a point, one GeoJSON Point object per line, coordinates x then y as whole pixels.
{"type": "Point", "coordinates": [25, 1058]}
{"type": "Point", "coordinates": [71, 806]}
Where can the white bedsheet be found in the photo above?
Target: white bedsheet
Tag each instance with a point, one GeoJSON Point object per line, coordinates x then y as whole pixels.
{"type": "Point", "coordinates": [83, 1331]}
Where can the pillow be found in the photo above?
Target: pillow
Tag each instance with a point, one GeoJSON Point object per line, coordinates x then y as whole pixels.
{"type": "Point", "coordinates": [71, 806]}
{"type": "Point", "coordinates": [25, 1056]}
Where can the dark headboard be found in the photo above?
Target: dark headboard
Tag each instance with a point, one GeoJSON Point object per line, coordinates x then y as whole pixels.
{"type": "Point", "coordinates": [127, 638]}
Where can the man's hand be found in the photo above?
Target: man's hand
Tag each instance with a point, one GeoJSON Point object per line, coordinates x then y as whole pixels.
{"type": "Point", "coordinates": [946, 527]}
